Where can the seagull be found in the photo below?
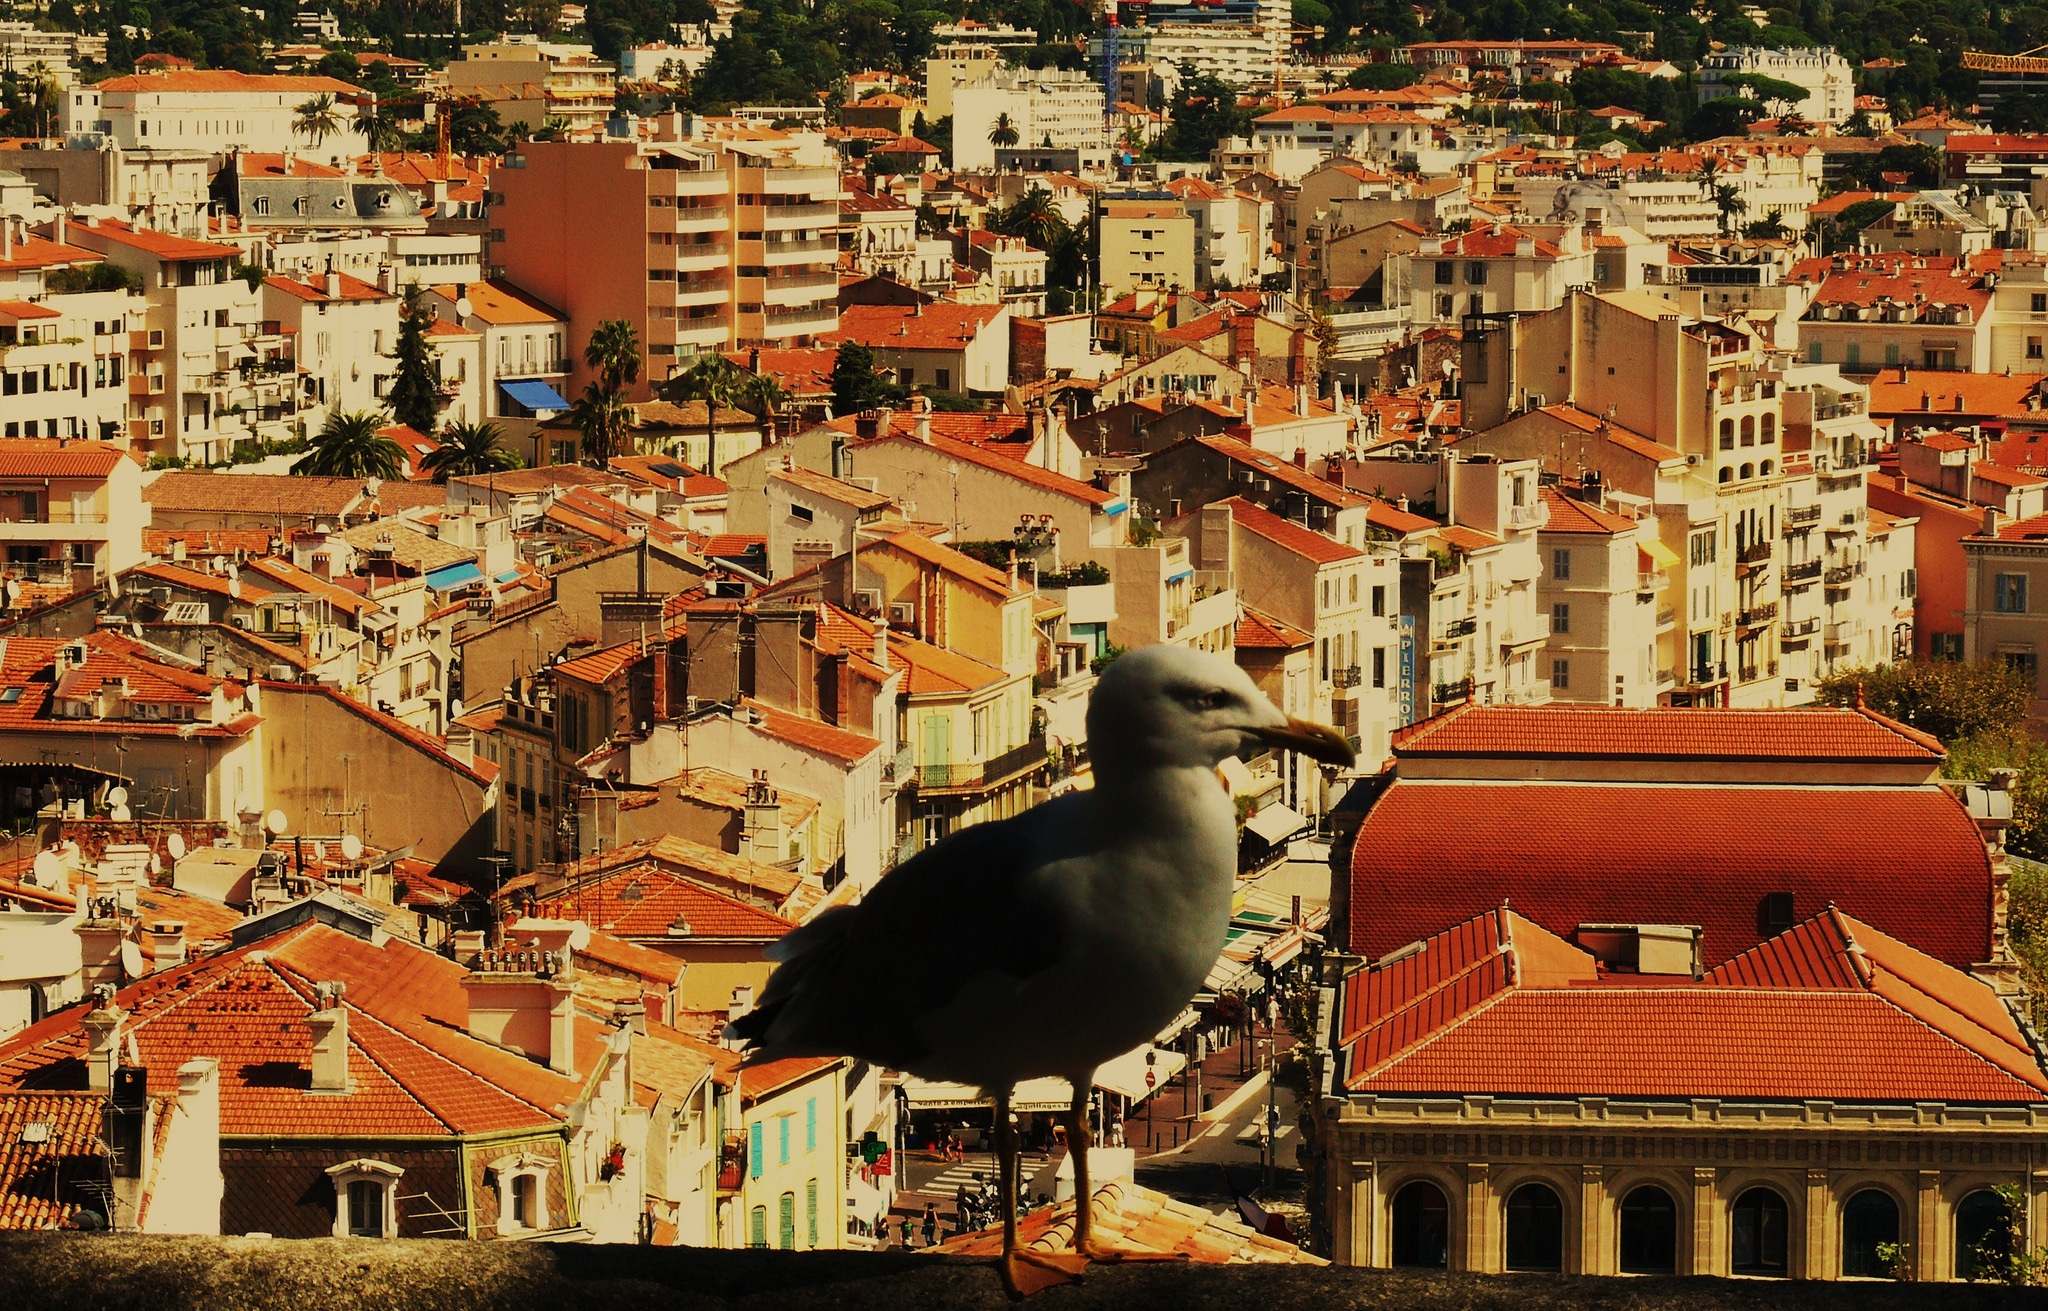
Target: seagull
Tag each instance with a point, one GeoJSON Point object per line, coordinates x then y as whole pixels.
{"type": "Point", "coordinates": [1046, 944]}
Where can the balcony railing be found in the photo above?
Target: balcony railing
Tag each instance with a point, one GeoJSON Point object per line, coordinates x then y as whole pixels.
{"type": "Point", "coordinates": [1796, 628]}
{"type": "Point", "coordinates": [1447, 692]}
{"type": "Point", "coordinates": [1841, 575]}
{"type": "Point", "coordinates": [1804, 571]}
{"type": "Point", "coordinates": [1667, 617]}
{"type": "Point", "coordinates": [1648, 581]}
{"type": "Point", "coordinates": [1759, 615]}
{"type": "Point", "coordinates": [986, 773]}
{"type": "Point", "coordinates": [1801, 516]}
{"type": "Point", "coordinates": [1713, 671]}
{"type": "Point", "coordinates": [1461, 627]}
{"type": "Point", "coordinates": [1345, 677]}
{"type": "Point", "coordinates": [1754, 553]}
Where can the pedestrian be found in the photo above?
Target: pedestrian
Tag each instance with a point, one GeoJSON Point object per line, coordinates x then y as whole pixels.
{"type": "Point", "coordinates": [931, 1224]}
{"type": "Point", "coordinates": [907, 1244]}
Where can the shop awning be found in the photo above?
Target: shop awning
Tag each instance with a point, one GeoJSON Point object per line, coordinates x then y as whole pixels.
{"type": "Point", "coordinates": [1276, 823]}
{"type": "Point", "coordinates": [1657, 556]}
{"type": "Point", "coordinates": [534, 395]}
{"type": "Point", "coordinates": [454, 576]}
{"type": "Point", "coordinates": [1124, 1076]}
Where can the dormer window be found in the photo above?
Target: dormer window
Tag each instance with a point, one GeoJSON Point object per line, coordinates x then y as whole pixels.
{"type": "Point", "coordinates": [522, 1185]}
{"type": "Point", "coordinates": [263, 204]}
{"type": "Point", "coordinates": [365, 1198]}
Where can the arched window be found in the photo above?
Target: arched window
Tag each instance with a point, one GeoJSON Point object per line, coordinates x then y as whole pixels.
{"type": "Point", "coordinates": [365, 1198]}
{"type": "Point", "coordinates": [757, 1227]}
{"type": "Point", "coordinates": [1649, 1232]}
{"type": "Point", "coordinates": [1422, 1226]}
{"type": "Point", "coordinates": [1770, 433]}
{"type": "Point", "coordinates": [1726, 473]}
{"type": "Point", "coordinates": [1749, 430]}
{"type": "Point", "coordinates": [1749, 471]}
{"type": "Point", "coordinates": [1870, 1220]}
{"type": "Point", "coordinates": [1727, 434]}
{"type": "Point", "coordinates": [1535, 1229]}
{"type": "Point", "coordinates": [1759, 1226]}
{"type": "Point", "coordinates": [1765, 468]}
{"type": "Point", "coordinates": [1980, 1231]}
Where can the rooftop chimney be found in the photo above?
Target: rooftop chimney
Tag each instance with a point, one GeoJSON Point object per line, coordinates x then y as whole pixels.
{"type": "Point", "coordinates": [102, 1039]}
{"type": "Point", "coordinates": [523, 995]}
{"type": "Point", "coordinates": [742, 1003]}
{"type": "Point", "coordinates": [167, 943]}
{"type": "Point", "coordinates": [882, 643]}
{"type": "Point", "coordinates": [334, 286]}
{"type": "Point", "coordinates": [329, 1024]}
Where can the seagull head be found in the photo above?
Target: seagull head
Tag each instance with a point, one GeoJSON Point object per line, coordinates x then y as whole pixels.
{"type": "Point", "coordinates": [1174, 705]}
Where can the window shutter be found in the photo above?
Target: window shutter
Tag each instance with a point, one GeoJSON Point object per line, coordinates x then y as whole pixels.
{"type": "Point", "coordinates": [755, 1151]}
{"type": "Point", "coordinates": [811, 1125]}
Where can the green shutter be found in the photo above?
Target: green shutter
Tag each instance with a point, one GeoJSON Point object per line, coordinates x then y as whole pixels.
{"type": "Point", "coordinates": [811, 1125]}
{"type": "Point", "coordinates": [756, 1150]}
{"type": "Point", "coordinates": [782, 1134]}
{"type": "Point", "coordinates": [789, 1222]}
{"type": "Point", "coordinates": [758, 1230]}
{"type": "Point", "coordinates": [811, 1209]}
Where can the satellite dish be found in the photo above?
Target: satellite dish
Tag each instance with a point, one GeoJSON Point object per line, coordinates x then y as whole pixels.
{"type": "Point", "coordinates": [276, 823]}
{"type": "Point", "coordinates": [351, 847]}
{"type": "Point", "coordinates": [48, 869]}
{"type": "Point", "coordinates": [234, 589]}
{"type": "Point", "coordinates": [13, 590]}
{"type": "Point", "coordinates": [119, 814]}
{"type": "Point", "coordinates": [117, 797]}
{"type": "Point", "coordinates": [319, 851]}
{"type": "Point", "coordinates": [462, 306]}
{"type": "Point", "coordinates": [156, 864]}
{"type": "Point", "coordinates": [175, 844]}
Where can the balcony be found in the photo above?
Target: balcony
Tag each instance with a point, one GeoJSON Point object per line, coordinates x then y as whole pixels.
{"type": "Point", "coordinates": [1528, 516]}
{"type": "Point", "coordinates": [821, 317]}
{"type": "Point", "coordinates": [800, 289]}
{"type": "Point", "coordinates": [1666, 678]}
{"type": "Point", "coordinates": [783, 218]}
{"type": "Point", "coordinates": [1801, 516]}
{"type": "Point", "coordinates": [992, 772]}
{"type": "Point", "coordinates": [1714, 671]}
{"type": "Point", "coordinates": [1345, 677]}
{"type": "Point", "coordinates": [1535, 630]}
{"type": "Point", "coordinates": [1535, 692]}
{"type": "Point", "coordinates": [798, 252]}
{"type": "Point", "coordinates": [1803, 572]}
{"type": "Point", "coordinates": [1649, 582]}
{"type": "Point", "coordinates": [1458, 628]}
{"type": "Point", "coordinates": [1843, 633]}
{"type": "Point", "coordinates": [1666, 617]}
{"type": "Point", "coordinates": [704, 255]}
{"type": "Point", "coordinates": [1755, 553]}
{"type": "Point", "coordinates": [1444, 693]}
{"type": "Point", "coordinates": [1841, 575]}
{"type": "Point", "coordinates": [1759, 615]}
{"type": "Point", "coordinates": [1798, 628]}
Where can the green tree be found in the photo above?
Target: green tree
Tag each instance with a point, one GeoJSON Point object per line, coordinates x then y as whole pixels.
{"type": "Point", "coordinates": [1771, 227]}
{"type": "Point", "coordinates": [469, 448]}
{"type": "Point", "coordinates": [1034, 217]}
{"type": "Point", "coordinates": [1205, 111]}
{"type": "Point", "coordinates": [1383, 77]}
{"type": "Point", "coordinates": [1947, 699]}
{"type": "Point", "coordinates": [604, 418]}
{"type": "Point", "coordinates": [317, 119]}
{"type": "Point", "coordinates": [855, 384]}
{"type": "Point", "coordinates": [1729, 203]}
{"type": "Point", "coordinates": [414, 395]}
{"type": "Point", "coordinates": [1777, 96]}
{"type": "Point", "coordinates": [379, 131]}
{"type": "Point", "coordinates": [614, 351]}
{"type": "Point", "coordinates": [351, 445]}
{"type": "Point", "coordinates": [716, 381]}
{"type": "Point", "coordinates": [1004, 134]}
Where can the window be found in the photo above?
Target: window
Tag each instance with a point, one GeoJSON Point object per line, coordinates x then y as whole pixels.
{"type": "Point", "coordinates": [1941, 646]}
{"type": "Point", "coordinates": [1445, 273]}
{"type": "Point", "coordinates": [1749, 430]}
{"type": "Point", "coordinates": [1869, 1221]}
{"type": "Point", "coordinates": [1379, 600]}
{"type": "Point", "coordinates": [1560, 674]}
{"type": "Point", "coordinates": [1354, 589]}
{"type": "Point", "coordinates": [1813, 352]}
{"type": "Point", "coordinates": [1758, 1227]}
{"type": "Point", "coordinates": [525, 1191]}
{"type": "Point", "coordinates": [1475, 273]}
{"type": "Point", "coordinates": [1980, 1228]}
{"type": "Point", "coordinates": [1535, 1229]}
{"type": "Point", "coordinates": [2009, 594]}
{"type": "Point", "coordinates": [1560, 618]}
{"type": "Point", "coordinates": [757, 1227]}
{"type": "Point", "coordinates": [1379, 666]}
{"type": "Point", "coordinates": [802, 513]}
{"type": "Point", "coordinates": [1326, 594]}
{"type": "Point", "coordinates": [1770, 430]}
{"type": "Point", "coordinates": [1649, 1232]}
{"type": "Point", "coordinates": [1702, 546]}
{"type": "Point", "coordinates": [811, 1213]}
{"type": "Point", "coordinates": [2038, 302]}
{"type": "Point", "coordinates": [786, 1205]}
{"type": "Point", "coordinates": [782, 1135]}
{"type": "Point", "coordinates": [756, 1150]}
{"type": "Point", "coordinates": [1422, 1227]}
{"type": "Point", "coordinates": [811, 1135]}
{"type": "Point", "coordinates": [978, 724]}
{"type": "Point", "coordinates": [1852, 354]}
{"type": "Point", "coordinates": [945, 378]}
{"type": "Point", "coordinates": [365, 1209]}
{"type": "Point", "coordinates": [1727, 434]}
{"type": "Point", "coordinates": [2024, 663]}
{"type": "Point", "coordinates": [2033, 348]}
{"type": "Point", "coordinates": [1561, 565]}
{"type": "Point", "coordinates": [365, 1198]}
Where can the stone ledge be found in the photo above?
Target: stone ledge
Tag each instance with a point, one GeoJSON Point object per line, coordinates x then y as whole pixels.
{"type": "Point", "coordinates": [62, 1272]}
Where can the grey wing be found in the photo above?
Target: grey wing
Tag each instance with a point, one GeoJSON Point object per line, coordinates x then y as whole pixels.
{"type": "Point", "coordinates": [857, 980]}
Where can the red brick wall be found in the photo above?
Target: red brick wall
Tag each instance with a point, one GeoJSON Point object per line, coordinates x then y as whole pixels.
{"type": "Point", "coordinates": [284, 1190]}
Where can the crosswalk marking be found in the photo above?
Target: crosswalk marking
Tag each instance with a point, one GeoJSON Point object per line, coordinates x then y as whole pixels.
{"type": "Point", "coordinates": [948, 1183]}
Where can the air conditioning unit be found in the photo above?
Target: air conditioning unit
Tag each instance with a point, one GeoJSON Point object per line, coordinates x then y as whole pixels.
{"type": "Point", "coordinates": [239, 621]}
{"type": "Point", "coordinates": [902, 614]}
{"type": "Point", "coordinates": [868, 601]}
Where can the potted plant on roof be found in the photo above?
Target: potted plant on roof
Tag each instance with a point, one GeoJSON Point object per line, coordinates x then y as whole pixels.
{"type": "Point", "coordinates": [614, 1162]}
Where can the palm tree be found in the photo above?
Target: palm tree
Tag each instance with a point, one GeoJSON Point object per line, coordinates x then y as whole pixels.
{"type": "Point", "coordinates": [1710, 167]}
{"type": "Point", "coordinates": [351, 445]}
{"type": "Point", "coordinates": [1035, 218]}
{"type": "Point", "coordinates": [1771, 227]}
{"type": "Point", "coordinates": [318, 118]}
{"type": "Point", "coordinates": [1004, 134]}
{"type": "Point", "coordinates": [380, 132]}
{"type": "Point", "coordinates": [602, 416]}
{"type": "Point", "coordinates": [1728, 200]}
{"type": "Point", "coordinates": [716, 381]}
{"type": "Point", "coordinates": [761, 396]}
{"type": "Point", "coordinates": [614, 351]}
{"type": "Point", "coordinates": [469, 448]}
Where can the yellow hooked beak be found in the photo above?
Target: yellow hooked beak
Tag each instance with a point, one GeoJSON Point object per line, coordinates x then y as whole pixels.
{"type": "Point", "coordinates": [1316, 741]}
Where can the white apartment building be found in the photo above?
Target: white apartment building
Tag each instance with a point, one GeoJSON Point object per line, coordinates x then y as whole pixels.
{"type": "Point", "coordinates": [523, 355]}
{"type": "Point", "coordinates": [1232, 230]}
{"type": "Point", "coordinates": [1604, 589]}
{"type": "Point", "coordinates": [63, 355]}
{"type": "Point", "coordinates": [209, 109]}
{"type": "Point", "coordinates": [530, 81]}
{"type": "Point", "coordinates": [1242, 56]}
{"type": "Point", "coordinates": [1051, 105]}
{"type": "Point", "coordinates": [1830, 84]}
{"type": "Point", "coordinates": [1486, 270]}
{"type": "Point", "coordinates": [345, 328]}
{"type": "Point", "coordinates": [952, 66]}
{"type": "Point", "coordinates": [205, 371]}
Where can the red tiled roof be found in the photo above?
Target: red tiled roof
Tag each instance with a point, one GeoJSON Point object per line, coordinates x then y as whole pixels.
{"type": "Point", "coordinates": [644, 901]}
{"type": "Point", "coordinates": [207, 541]}
{"type": "Point", "coordinates": [600, 667]}
{"type": "Point", "coordinates": [1304, 542]}
{"type": "Point", "coordinates": [812, 734]}
{"type": "Point", "coordinates": [1622, 437]}
{"type": "Point", "coordinates": [939, 326]}
{"type": "Point", "coordinates": [1981, 393]}
{"type": "Point", "coordinates": [1498, 241]}
{"type": "Point", "coordinates": [1908, 859]}
{"type": "Point", "coordinates": [211, 81]}
{"type": "Point", "coordinates": [163, 245]}
{"type": "Point", "coordinates": [1569, 514]}
{"type": "Point", "coordinates": [1272, 466]}
{"type": "Point", "coordinates": [34, 252]}
{"type": "Point", "coordinates": [48, 457]}
{"type": "Point", "coordinates": [1257, 631]}
{"type": "Point", "coordinates": [351, 289]}
{"type": "Point", "coordinates": [1669, 733]}
{"type": "Point", "coordinates": [29, 1172]}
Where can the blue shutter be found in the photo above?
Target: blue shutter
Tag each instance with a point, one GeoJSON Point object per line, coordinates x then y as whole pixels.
{"type": "Point", "coordinates": [811, 1125]}
{"type": "Point", "coordinates": [782, 1126]}
{"type": "Point", "coordinates": [755, 1150]}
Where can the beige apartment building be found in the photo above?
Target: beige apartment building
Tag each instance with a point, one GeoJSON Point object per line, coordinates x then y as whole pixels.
{"type": "Point", "coordinates": [731, 248]}
{"type": "Point", "coordinates": [1604, 588]}
{"type": "Point", "coordinates": [2005, 609]}
{"type": "Point", "coordinates": [1753, 467]}
{"type": "Point", "coordinates": [530, 81]}
{"type": "Point", "coordinates": [1146, 244]}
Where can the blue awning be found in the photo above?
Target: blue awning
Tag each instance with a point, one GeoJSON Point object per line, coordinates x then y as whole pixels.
{"type": "Point", "coordinates": [534, 395]}
{"type": "Point", "coordinates": [454, 576]}
{"type": "Point", "coordinates": [1114, 507]}
{"type": "Point", "coordinates": [508, 575]}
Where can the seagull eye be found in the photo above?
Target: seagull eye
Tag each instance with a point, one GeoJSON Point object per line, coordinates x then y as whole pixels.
{"type": "Point", "coordinates": [1215, 700]}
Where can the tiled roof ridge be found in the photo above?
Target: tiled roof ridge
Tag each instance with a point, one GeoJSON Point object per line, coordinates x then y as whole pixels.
{"type": "Point", "coordinates": [1450, 1026]}
{"type": "Point", "coordinates": [1503, 946]}
{"type": "Point", "coordinates": [355, 1039]}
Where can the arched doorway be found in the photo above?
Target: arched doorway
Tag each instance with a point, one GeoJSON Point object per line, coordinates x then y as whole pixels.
{"type": "Point", "coordinates": [1535, 1229]}
{"type": "Point", "coordinates": [1980, 1227]}
{"type": "Point", "coordinates": [1759, 1228]}
{"type": "Point", "coordinates": [1649, 1232]}
{"type": "Point", "coordinates": [1869, 1221]}
{"type": "Point", "coordinates": [1422, 1226]}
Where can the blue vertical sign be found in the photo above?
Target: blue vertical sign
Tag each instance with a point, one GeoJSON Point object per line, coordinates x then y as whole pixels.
{"type": "Point", "coordinates": [1407, 669]}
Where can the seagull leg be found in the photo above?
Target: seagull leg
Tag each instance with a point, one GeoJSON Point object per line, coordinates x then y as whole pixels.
{"type": "Point", "coordinates": [1079, 1141]}
{"type": "Point", "coordinates": [1024, 1271]}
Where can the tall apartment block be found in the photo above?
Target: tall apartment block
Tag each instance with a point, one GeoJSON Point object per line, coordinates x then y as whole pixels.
{"type": "Point", "coordinates": [699, 246]}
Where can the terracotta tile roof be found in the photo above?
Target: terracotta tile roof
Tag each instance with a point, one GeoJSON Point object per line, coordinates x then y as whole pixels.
{"type": "Point", "coordinates": [1945, 441]}
{"type": "Point", "coordinates": [1934, 286]}
{"type": "Point", "coordinates": [163, 245]}
{"type": "Point", "coordinates": [1498, 1003]}
{"type": "Point", "coordinates": [1044, 479]}
{"type": "Point", "coordinates": [940, 326]}
{"type": "Point", "coordinates": [932, 669]}
{"type": "Point", "coordinates": [499, 303]}
{"type": "Point", "coordinates": [814, 735]}
{"type": "Point", "coordinates": [960, 565]}
{"type": "Point", "coordinates": [34, 252]}
{"type": "Point", "coordinates": [1817, 734]}
{"type": "Point", "coordinates": [645, 901]}
{"type": "Point", "coordinates": [32, 1174]}
{"type": "Point", "coordinates": [1625, 438]}
{"type": "Point", "coordinates": [351, 288]}
{"type": "Point", "coordinates": [1257, 631]}
{"type": "Point", "coordinates": [820, 484]}
{"type": "Point", "coordinates": [1272, 466]}
{"type": "Point", "coordinates": [1304, 542]}
{"type": "Point", "coordinates": [48, 457]}
{"type": "Point", "coordinates": [1569, 514]}
{"type": "Point", "coordinates": [600, 667]}
{"type": "Point", "coordinates": [21, 309]}
{"type": "Point", "coordinates": [30, 663]}
{"type": "Point", "coordinates": [1987, 394]}
{"type": "Point", "coordinates": [219, 81]}
{"type": "Point", "coordinates": [1908, 859]}
{"type": "Point", "coordinates": [276, 569]}
{"type": "Point", "coordinates": [652, 966]}
{"type": "Point", "coordinates": [2034, 529]}
{"type": "Point", "coordinates": [1497, 241]}
{"type": "Point", "coordinates": [206, 541]}
{"type": "Point", "coordinates": [1992, 473]}
{"type": "Point", "coordinates": [1467, 539]}
{"type": "Point", "coordinates": [300, 497]}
